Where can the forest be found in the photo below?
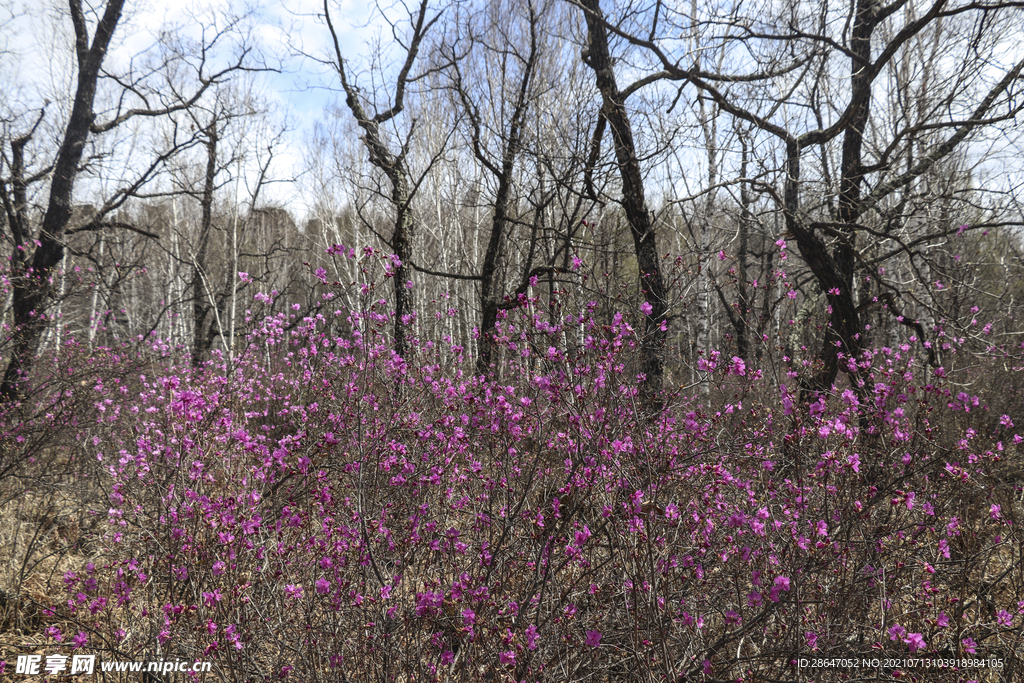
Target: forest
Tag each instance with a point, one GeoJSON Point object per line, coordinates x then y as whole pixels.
{"type": "Point", "coordinates": [512, 340]}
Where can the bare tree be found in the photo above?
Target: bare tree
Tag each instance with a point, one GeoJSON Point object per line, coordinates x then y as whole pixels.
{"type": "Point", "coordinates": [33, 267]}
{"type": "Point", "coordinates": [781, 78]}
{"type": "Point", "coordinates": [393, 164]}
{"type": "Point", "coordinates": [613, 112]}
{"type": "Point", "coordinates": [496, 124]}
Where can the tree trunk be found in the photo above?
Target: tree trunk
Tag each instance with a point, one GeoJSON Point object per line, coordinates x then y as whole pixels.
{"type": "Point", "coordinates": [597, 57]}
{"type": "Point", "coordinates": [201, 305]}
{"type": "Point", "coordinates": [743, 322]}
{"type": "Point", "coordinates": [32, 285]}
{"type": "Point", "coordinates": [845, 334]}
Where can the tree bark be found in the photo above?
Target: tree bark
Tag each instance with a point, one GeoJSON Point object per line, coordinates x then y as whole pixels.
{"type": "Point", "coordinates": [634, 204]}
{"type": "Point", "coordinates": [845, 334]}
{"type": "Point", "coordinates": [201, 293]}
{"type": "Point", "coordinates": [393, 165]}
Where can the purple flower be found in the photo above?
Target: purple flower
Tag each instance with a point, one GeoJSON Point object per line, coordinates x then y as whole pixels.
{"type": "Point", "coordinates": [54, 632]}
{"type": "Point", "coordinates": [1004, 618]}
{"type": "Point", "coordinates": [531, 637]}
{"type": "Point", "coordinates": [593, 638]}
{"type": "Point", "coordinates": [81, 639]}
{"type": "Point", "coordinates": [508, 657]}
{"type": "Point", "coordinates": [916, 642]}
{"type": "Point", "coordinates": [812, 640]}
{"type": "Point", "coordinates": [468, 617]}
{"type": "Point", "coordinates": [294, 592]}
{"type": "Point", "coordinates": [232, 635]}
{"type": "Point", "coordinates": [897, 632]}
{"type": "Point", "coordinates": [447, 657]}
{"type": "Point", "coordinates": [211, 599]}
{"type": "Point", "coordinates": [322, 586]}
{"type": "Point", "coordinates": [969, 645]}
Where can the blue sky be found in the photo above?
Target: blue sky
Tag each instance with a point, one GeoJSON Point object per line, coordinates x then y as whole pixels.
{"type": "Point", "coordinates": [36, 59]}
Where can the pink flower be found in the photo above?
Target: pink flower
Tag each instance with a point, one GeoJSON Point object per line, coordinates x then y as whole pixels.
{"type": "Point", "coordinates": [969, 645]}
{"type": "Point", "coordinates": [531, 637]}
{"type": "Point", "coordinates": [322, 586]}
{"type": "Point", "coordinates": [1004, 618]}
{"type": "Point", "coordinates": [916, 642]}
{"type": "Point", "coordinates": [508, 657]}
{"type": "Point", "coordinates": [232, 634]}
{"type": "Point", "coordinates": [468, 617]}
{"type": "Point", "coordinates": [294, 592]}
{"type": "Point", "coordinates": [897, 632]}
{"type": "Point", "coordinates": [646, 308]}
{"type": "Point", "coordinates": [447, 657]}
{"type": "Point", "coordinates": [942, 621]}
{"type": "Point", "coordinates": [593, 638]}
{"type": "Point", "coordinates": [812, 640]}
{"type": "Point", "coordinates": [210, 599]}
{"type": "Point", "coordinates": [994, 512]}
{"type": "Point", "coordinates": [81, 639]}
{"type": "Point", "coordinates": [738, 367]}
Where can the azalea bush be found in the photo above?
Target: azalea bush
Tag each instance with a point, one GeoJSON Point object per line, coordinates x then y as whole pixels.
{"type": "Point", "coordinates": [317, 508]}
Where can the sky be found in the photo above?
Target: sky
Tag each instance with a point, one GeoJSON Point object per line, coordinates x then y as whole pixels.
{"type": "Point", "coordinates": [36, 59]}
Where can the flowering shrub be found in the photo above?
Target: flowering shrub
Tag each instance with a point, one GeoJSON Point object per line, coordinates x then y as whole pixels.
{"type": "Point", "coordinates": [321, 509]}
